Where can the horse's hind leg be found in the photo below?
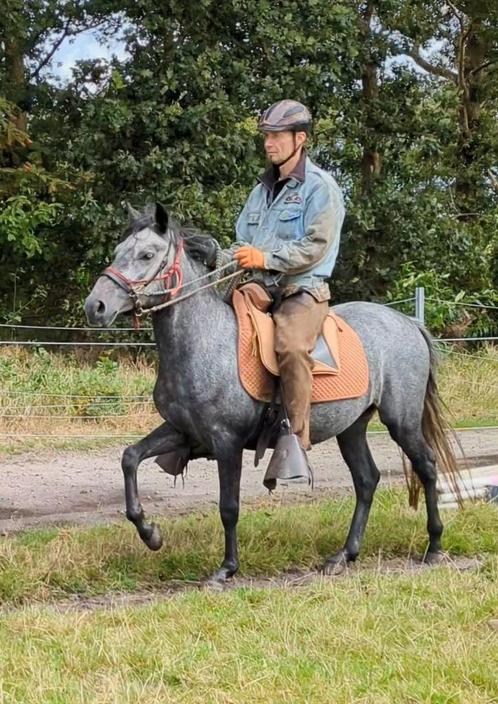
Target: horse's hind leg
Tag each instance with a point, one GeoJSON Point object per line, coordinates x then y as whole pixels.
{"type": "Point", "coordinates": [356, 453]}
{"type": "Point", "coordinates": [161, 440]}
{"type": "Point", "coordinates": [412, 442]}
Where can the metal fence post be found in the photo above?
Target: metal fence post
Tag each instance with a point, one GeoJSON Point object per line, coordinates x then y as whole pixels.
{"type": "Point", "coordinates": [420, 304]}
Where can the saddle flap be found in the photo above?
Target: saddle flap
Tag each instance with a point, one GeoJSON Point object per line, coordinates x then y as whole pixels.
{"type": "Point", "coordinates": [326, 353]}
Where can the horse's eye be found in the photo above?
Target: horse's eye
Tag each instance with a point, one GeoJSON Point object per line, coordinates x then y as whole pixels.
{"type": "Point", "coordinates": [147, 255]}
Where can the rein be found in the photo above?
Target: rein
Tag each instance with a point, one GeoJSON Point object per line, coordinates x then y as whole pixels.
{"type": "Point", "coordinates": [136, 287]}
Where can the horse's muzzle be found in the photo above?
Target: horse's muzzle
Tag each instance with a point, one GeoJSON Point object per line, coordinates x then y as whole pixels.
{"type": "Point", "coordinates": [96, 312]}
{"type": "Point", "coordinates": [105, 302]}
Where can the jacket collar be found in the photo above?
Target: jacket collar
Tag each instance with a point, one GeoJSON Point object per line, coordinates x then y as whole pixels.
{"type": "Point", "coordinates": [272, 175]}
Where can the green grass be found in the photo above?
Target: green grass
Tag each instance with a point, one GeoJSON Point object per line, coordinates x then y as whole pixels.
{"type": "Point", "coordinates": [371, 638]}
{"type": "Point", "coordinates": [50, 563]}
{"type": "Point", "coordinates": [469, 386]}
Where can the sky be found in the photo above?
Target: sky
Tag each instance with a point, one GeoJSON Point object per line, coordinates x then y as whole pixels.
{"type": "Point", "coordinates": [83, 46]}
{"type": "Point", "coordinates": [87, 46]}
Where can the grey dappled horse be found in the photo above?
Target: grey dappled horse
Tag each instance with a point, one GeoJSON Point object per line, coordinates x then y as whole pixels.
{"type": "Point", "coordinates": [207, 412]}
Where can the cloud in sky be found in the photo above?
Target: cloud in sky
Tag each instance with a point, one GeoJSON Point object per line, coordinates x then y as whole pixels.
{"type": "Point", "coordinates": [83, 46]}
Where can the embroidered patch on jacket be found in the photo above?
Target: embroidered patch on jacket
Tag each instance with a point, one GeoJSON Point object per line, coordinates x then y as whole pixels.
{"type": "Point", "coordinates": [293, 198]}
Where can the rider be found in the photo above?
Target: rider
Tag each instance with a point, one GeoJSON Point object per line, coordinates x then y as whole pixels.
{"type": "Point", "coordinates": [288, 235]}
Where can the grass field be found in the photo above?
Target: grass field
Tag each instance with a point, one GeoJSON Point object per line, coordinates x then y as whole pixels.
{"type": "Point", "coordinates": [373, 638]}
{"type": "Point", "coordinates": [370, 636]}
{"type": "Point", "coordinates": [71, 399]}
{"type": "Point", "coordinates": [54, 562]}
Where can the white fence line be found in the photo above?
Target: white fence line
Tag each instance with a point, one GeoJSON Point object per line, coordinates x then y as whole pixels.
{"type": "Point", "coordinates": [39, 343]}
{"type": "Point", "coordinates": [97, 400]}
{"type": "Point", "coordinates": [97, 436]}
{"type": "Point", "coordinates": [465, 339]}
{"type": "Point", "coordinates": [73, 329]}
{"type": "Point", "coordinates": [419, 300]}
{"type": "Point", "coordinates": [85, 343]}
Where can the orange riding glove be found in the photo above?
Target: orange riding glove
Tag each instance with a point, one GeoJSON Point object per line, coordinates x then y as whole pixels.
{"type": "Point", "coordinates": [250, 257]}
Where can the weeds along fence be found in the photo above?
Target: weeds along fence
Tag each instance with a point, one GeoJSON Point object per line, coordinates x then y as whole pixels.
{"type": "Point", "coordinates": [49, 397]}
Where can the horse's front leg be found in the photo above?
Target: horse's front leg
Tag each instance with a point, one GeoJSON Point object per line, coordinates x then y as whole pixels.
{"type": "Point", "coordinates": [162, 440]}
{"type": "Point", "coordinates": [229, 470]}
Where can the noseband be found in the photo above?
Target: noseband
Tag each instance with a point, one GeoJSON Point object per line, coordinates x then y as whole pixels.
{"type": "Point", "coordinates": [172, 281]}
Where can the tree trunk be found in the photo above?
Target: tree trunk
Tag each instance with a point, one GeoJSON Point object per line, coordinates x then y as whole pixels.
{"type": "Point", "coordinates": [371, 160]}
{"type": "Point", "coordinates": [15, 79]}
{"type": "Point", "coordinates": [472, 57]}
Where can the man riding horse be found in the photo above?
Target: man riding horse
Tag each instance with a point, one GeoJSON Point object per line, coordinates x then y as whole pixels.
{"type": "Point", "coordinates": [288, 236]}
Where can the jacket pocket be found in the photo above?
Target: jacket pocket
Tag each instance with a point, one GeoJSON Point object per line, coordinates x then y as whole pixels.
{"type": "Point", "coordinates": [290, 224]}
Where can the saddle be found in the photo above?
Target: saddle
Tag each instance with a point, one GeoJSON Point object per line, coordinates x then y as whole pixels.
{"type": "Point", "coordinates": [340, 368]}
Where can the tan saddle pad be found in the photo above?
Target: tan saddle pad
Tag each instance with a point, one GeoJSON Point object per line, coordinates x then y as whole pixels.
{"type": "Point", "coordinates": [340, 368]}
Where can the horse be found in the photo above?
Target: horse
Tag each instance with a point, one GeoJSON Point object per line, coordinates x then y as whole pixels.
{"type": "Point", "coordinates": [207, 412]}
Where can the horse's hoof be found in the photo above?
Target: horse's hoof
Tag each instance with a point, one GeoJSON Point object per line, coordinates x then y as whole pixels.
{"type": "Point", "coordinates": [215, 585]}
{"type": "Point", "coordinates": [154, 540]}
{"type": "Point", "coordinates": [435, 558]}
{"type": "Point", "coordinates": [219, 579]}
{"type": "Point", "coordinates": [334, 566]}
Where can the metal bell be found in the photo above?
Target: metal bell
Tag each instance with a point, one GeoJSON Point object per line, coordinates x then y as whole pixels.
{"type": "Point", "coordinates": [289, 461]}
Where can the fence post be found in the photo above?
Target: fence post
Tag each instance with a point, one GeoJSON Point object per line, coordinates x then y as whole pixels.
{"type": "Point", "coordinates": [420, 304]}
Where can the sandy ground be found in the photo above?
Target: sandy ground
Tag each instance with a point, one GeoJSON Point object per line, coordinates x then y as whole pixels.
{"type": "Point", "coordinates": [56, 487]}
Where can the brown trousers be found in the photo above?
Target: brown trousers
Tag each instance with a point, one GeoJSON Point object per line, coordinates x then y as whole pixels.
{"type": "Point", "coordinates": [299, 320]}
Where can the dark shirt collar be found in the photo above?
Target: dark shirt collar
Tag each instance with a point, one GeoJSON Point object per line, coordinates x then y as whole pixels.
{"type": "Point", "coordinates": [272, 175]}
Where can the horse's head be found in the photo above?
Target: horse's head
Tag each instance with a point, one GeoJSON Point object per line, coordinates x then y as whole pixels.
{"type": "Point", "coordinates": [146, 259]}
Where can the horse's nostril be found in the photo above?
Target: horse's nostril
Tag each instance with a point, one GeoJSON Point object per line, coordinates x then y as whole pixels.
{"type": "Point", "coordinates": [100, 307]}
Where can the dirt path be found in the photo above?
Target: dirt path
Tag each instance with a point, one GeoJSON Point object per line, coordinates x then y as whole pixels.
{"type": "Point", "coordinates": [83, 487]}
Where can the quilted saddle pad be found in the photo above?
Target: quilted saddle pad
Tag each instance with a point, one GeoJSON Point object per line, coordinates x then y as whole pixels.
{"type": "Point", "coordinates": [340, 369]}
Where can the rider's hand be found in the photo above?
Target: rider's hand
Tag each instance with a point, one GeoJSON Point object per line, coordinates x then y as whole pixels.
{"type": "Point", "coordinates": [250, 257]}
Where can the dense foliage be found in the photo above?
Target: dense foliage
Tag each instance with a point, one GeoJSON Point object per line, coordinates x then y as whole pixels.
{"type": "Point", "coordinates": [405, 94]}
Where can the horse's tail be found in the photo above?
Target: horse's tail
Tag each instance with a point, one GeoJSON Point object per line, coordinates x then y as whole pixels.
{"type": "Point", "coordinates": [436, 430]}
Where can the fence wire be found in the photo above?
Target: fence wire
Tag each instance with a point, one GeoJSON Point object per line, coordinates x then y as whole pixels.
{"type": "Point", "coordinates": [129, 405]}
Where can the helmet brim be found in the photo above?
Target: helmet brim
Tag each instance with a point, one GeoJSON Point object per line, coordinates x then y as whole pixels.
{"type": "Point", "coordinates": [284, 128]}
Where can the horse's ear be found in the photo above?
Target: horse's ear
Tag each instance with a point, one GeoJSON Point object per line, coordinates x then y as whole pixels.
{"type": "Point", "coordinates": [162, 218]}
{"type": "Point", "coordinates": [133, 214]}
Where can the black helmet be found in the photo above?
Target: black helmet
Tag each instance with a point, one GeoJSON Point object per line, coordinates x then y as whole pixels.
{"type": "Point", "coordinates": [285, 115]}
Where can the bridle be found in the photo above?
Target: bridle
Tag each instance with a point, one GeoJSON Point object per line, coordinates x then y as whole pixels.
{"type": "Point", "coordinates": [172, 281]}
{"type": "Point", "coordinates": [170, 278]}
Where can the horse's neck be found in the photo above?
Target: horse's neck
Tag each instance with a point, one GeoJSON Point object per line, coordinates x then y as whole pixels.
{"type": "Point", "coordinates": [195, 323]}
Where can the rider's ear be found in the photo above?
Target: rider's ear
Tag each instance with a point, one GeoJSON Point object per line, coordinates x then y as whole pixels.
{"type": "Point", "coordinates": [133, 214]}
{"type": "Point", "coordinates": [161, 217]}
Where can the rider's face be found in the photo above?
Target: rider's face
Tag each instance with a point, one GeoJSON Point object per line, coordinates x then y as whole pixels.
{"type": "Point", "coordinates": [280, 145]}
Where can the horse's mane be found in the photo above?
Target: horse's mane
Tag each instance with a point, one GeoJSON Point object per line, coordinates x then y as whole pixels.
{"type": "Point", "coordinates": [198, 245]}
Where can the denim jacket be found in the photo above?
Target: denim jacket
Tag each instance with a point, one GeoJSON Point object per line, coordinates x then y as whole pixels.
{"type": "Point", "coordinates": [298, 232]}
